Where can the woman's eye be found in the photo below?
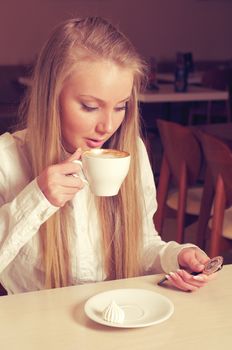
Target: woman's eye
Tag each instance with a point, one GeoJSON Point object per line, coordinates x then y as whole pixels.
{"type": "Point", "coordinates": [88, 108]}
{"type": "Point", "coordinates": [121, 108]}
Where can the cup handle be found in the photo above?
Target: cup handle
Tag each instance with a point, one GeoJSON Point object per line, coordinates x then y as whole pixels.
{"type": "Point", "coordinates": [78, 176]}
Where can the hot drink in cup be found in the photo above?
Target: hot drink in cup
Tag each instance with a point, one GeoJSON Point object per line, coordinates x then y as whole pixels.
{"type": "Point", "coordinates": [105, 170]}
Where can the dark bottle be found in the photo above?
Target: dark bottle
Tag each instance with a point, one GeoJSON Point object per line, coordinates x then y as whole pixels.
{"type": "Point", "coordinates": [188, 57]}
{"type": "Point", "coordinates": [181, 74]}
{"type": "Point", "coordinates": [153, 85]}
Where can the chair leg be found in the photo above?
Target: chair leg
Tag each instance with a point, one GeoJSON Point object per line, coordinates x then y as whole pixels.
{"type": "Point", "coordinates": [190, 115]}
{"type": "Point", "coordinates": [181, 204]}
{"type": "Point", "coordinates": [205, 209]}
{"type": "Point", "coordinates": [209, 111]}
{"type": "Point", "coordinates": [228, 111]}
{"type": "Point", "coordinates": [162, 193]}
{"type": "Point", "coordinates": [218, 217]}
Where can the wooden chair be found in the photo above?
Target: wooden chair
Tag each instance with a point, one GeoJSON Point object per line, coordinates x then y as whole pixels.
{"type": "Point", "coordinates": [218, 157]}
{"type": "Point", "coordinates": [181, 164]}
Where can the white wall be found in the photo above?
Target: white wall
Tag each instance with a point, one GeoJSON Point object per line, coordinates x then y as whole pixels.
{"type": "Point", "coordinates": [157, 27]}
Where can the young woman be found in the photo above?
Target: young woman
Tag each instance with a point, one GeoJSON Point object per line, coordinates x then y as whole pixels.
{"type": "Point", "coordinates": [53, 231]}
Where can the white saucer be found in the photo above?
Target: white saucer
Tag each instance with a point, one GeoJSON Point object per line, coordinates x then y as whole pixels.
{"type": "Point", "coordinates": [142, 307]}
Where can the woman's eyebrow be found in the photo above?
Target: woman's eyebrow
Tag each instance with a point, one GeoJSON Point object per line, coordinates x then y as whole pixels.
{"type": "Point", "coordinates": [102, 101]}
{"type": "Point", "coordinates": [125, 99]}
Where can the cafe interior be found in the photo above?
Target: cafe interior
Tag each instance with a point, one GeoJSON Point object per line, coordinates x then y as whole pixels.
{"type": "Point", "coordinates": [186, 114]}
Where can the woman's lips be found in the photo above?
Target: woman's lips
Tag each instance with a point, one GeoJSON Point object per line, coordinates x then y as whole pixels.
{"type": "Point", "coordinates": [91, 143]}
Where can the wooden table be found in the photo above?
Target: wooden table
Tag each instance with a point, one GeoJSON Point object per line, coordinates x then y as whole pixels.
{"type": "Point", "coordinates": [55, 319]}
{"type": "Point", "coordinates": [166, 93]}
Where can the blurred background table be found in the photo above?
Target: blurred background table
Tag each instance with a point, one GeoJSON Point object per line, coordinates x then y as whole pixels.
{"type": "Point", "coordinates": [193, 78]}
{"type": "Point", "coordinates": [166, 93]}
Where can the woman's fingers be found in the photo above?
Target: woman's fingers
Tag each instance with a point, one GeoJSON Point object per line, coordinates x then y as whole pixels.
{"type": "Point", "coordinates": [75, 156]}
{"type": "Point", "coordinates": [197, 280]}
{"type": "Point", "coordinates": [187, 282]}
{"type": "Point", "coordinates": [192, 259]}
{"type": "Point", "coordinates": [58, 185]}
{"type": "Point", "coordinates": [201, 256]}
{"type": "Point", "coordinates": [68, 168]}
{"type": "Point", "coordinates": [179, 283]}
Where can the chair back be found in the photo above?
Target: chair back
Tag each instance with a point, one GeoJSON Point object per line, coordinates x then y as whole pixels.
{"type": "Point", "coordinates": [181, 164]}
{"type": "Point", "coordinates": [218, 158]}
{"type": "Point", "coordinates": [181, 148]}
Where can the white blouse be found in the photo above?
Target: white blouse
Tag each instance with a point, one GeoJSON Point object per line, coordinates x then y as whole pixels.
{"type": "Point", "coordinates": [23, 208]}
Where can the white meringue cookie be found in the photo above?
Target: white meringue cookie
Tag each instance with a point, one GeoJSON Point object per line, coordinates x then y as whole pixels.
{"type": "Point", "coordinates": [113, 313]}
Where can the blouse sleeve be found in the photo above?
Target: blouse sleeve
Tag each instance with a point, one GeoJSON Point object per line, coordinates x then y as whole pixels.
{"type": "Point", "coordinates": [20, 220]}
{"type": "Point", "coordinates": [158, 256]}
{"type": "Point", "coordinates": [23, 206]}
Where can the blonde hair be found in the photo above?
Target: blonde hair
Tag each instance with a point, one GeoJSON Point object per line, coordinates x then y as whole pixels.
{"type": "Point", "coordinates": [120, 216]}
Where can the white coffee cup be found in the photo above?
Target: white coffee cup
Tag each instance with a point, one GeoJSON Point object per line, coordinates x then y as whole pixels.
{"type": "Point", "coordinates": [105, 170]}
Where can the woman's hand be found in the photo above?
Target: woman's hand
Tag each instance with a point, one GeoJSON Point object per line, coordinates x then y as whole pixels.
{"type": "Point", "coordinates": [56, 183]}
{"type": "Point", "coordinates": [191, 260]}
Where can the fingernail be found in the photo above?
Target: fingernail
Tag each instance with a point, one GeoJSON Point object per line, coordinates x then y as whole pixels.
{"type": "Point", "coordinates": [172, 273]}
{"type": "Point", "coordinates": [168, 277]}
{"type": "Point", "coordinates": [198, 278]}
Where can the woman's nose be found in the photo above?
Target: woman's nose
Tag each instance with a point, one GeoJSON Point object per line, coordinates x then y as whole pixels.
{"type": "Point", "coordinates": [105, 124]}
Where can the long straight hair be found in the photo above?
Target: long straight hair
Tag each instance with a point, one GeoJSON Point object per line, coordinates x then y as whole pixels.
{"type": "Point", "coordinates": [120, 216]}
